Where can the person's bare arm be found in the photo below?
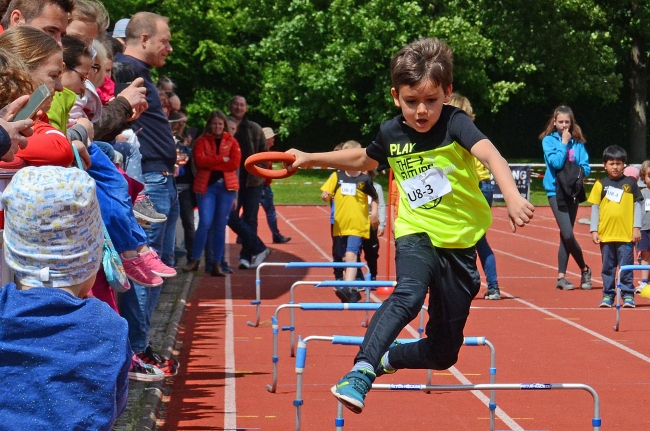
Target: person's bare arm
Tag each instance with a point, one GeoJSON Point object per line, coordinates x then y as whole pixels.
{"type": "Point", "coordinates": [520, 210]}
{"type": "Point", "coordinates": [352, 159]}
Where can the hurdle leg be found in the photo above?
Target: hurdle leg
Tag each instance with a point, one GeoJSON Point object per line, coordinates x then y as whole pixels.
{"type": "Point", "coordinates": [301, 354]}
{"type": "Point", "coordinates": [339, 421]}
{"type": "Point", "coordinates": [274, 384]}
{"type": "Point", "coordinates": [257, 303]}
{"type": "Point", "coordinates": [618, 307]}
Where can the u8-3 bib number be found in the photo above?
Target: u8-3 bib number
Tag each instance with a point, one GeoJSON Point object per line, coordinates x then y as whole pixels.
{"type": "Point", "coordinates": [426, 187]}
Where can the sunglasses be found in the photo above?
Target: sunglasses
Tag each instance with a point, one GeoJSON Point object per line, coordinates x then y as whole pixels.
{"type": "Point", "coordinates": [81, 75]}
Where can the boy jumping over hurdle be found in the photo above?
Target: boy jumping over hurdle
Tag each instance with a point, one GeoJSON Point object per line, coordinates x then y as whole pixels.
{"type": "Point", "coordinates": [442, 216]}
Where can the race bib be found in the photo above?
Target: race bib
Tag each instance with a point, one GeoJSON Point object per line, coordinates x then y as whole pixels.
{"type": "Point", "coordinates": [647, 204]}
{"type": "Point", "coordinates": [349, 189]}
{"type": "Point", "coordinates": [426, 187]}
{"type": "Point", "coordinates": [614, 194]}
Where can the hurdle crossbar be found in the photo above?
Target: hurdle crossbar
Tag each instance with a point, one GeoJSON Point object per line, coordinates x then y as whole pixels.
{"type": "Point", "coordinates": [367, 285]}
{"type": "Point", "coordinates": [317, 306]}
{"type": "Point", "coordinates": [301, 358]}
{"type": "Point", "coordinates": [258, 282]}
{"type": "Point", "coordinates": [618, 288]}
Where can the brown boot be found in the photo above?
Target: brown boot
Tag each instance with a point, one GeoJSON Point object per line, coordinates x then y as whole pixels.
{"type": "Point", "coordinates": [217, 271]}
{"type": "Point", "coordinates": [192, 265]}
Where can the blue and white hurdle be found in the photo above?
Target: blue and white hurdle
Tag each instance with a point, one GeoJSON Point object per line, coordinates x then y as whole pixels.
{"type": "Point", "coordinates": [319, 306]}
{"type": "Point", "coordinates": [595, 421]}
{"type": "Point", "coordinates": [258, 282]}
{"type": "Point", "coordinates": [367, 285]}
{"type": "Point", "coordinates": [301, 358]}
{"type": "Point", "coordinates": [618, 288]}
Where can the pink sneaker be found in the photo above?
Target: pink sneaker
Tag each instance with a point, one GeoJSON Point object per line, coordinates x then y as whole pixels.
{"type": "Point", "coordinates": [157, 266]}
{"type": "Point", "coordinates": [138, 271]}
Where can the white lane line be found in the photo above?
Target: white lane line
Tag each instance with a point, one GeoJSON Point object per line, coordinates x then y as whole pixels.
{"type": "Point", "coordinates": [507, 420]}
{"type": "Point", "coordinates": [554, 243]}
{"type": "Point", "coordinates": [230, 394]}
{"type": "Point", "coordinates": [582, 328]}
{"type": "Point", "coordinates": [309, 240]}
{"type": "Point", "coordinates": [545, 265]}
{"type": "Point", "coordinates": [569, 322]}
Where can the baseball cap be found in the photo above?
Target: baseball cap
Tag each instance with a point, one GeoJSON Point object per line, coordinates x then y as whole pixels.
{"type": "Point", "coordinates": [268, 132]}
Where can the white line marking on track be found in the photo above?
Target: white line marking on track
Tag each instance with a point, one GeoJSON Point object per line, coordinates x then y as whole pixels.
{"type": "Point", "coordinates": [230, 395]}
{"type": "Point", "coordinates": [582, 328]}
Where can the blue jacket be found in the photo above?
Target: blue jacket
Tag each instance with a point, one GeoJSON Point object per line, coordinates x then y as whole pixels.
{"type": "Point", "coordinates": [556, 153]}
{"type": "Point", "coordinates": [64, 361]}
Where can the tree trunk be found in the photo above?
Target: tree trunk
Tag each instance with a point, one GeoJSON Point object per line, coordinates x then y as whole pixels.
{"type": "Point", "coordinates": [638, 99]}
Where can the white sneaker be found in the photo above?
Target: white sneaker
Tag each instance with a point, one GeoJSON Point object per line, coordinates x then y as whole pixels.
{"type": "Point", "coordinates": [259, 258]}
{"type": "Point", "coordinates": [244, 264]}
{"type": "Point", "coordinates": [640, 287]}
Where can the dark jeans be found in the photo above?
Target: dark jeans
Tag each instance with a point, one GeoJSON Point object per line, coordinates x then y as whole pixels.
{"type": "Point", "coordinates": [269, 208]}
{"type": "Point", "coordinates": [249, 201]}
{"type": "Point", "coordinates": [370, 248]}
{"type": "Point", "coordinates": [186, 201]}
{"type": "Point", "coordinates": [452, 281]}
{"type": "Point", "coordinates": [617, 254]}
{"type": "Point", "coordinates": [251, 243]}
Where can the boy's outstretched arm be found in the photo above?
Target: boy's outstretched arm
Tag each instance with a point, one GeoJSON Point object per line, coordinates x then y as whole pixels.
{"type": "Point", "coordinates": [352, 159]}
{"type": "Point", "coordinates": [520, 210]}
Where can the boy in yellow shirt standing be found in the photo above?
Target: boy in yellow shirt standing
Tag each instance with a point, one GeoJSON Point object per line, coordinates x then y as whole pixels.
{"type": "Point", "coordinates": [616, 216]}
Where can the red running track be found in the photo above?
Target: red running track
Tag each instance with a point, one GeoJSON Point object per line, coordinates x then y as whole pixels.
{"type": "Point", "coordinates": [540, 334]}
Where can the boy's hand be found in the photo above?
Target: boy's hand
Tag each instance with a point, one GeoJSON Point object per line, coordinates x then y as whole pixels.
{"type": "Point", "coordinates": [595, 237]}
{"type": "Point", "coordinates": [302, 159]}
{"type": "Point", "coordinates": [374, 221]}
{"type": "Point", "coordinates": [636, 234]}
{"type": "Point", "coordinates": [520, 212]}
{"type": "Point", "coordinates": [325, 196]}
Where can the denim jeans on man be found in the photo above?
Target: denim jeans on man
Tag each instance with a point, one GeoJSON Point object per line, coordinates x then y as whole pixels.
{"type": "Point", "coordinates": [139, 303]}
{"type": "Point", "coordinates": [617, 254]}
{"type": "Point", "coordinates": [452, 281]}
{"type": "Point", "coordinates": [269, 209]}
{"type": "Point", "coordinates": [483, 249]}
{"type": "Point", "coordinates": [214, 208]}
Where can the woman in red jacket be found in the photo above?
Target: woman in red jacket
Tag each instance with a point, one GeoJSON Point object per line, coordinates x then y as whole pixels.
{"type": "Point", "coordinates": [216, 157]}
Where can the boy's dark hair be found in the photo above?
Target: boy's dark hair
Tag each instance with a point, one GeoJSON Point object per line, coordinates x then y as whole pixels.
{"type": "Point", "coordinates": [73, 49]}
{"type": "Point", "coordinates": [31, 9]}
{"type": "Point", "coordinates": [614, 152]}
{"type": "Point", "coordinates": [424, 60]}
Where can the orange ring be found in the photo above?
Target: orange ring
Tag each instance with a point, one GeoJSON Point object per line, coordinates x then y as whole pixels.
{"type": "Point", "coordinates": [269, 156]}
